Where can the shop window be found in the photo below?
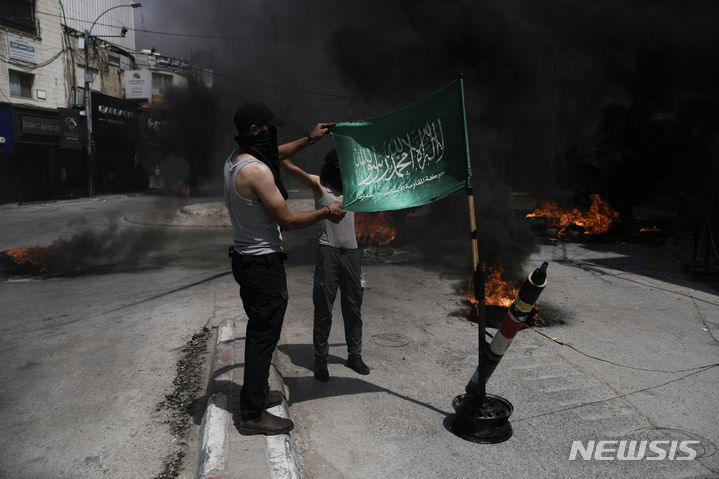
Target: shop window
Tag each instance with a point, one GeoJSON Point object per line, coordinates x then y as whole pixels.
{"type": "Point", "coordinates": [161, 83]}
{"type": "Point", "coordinates": [18, 15]}
{"type": "Point", "coordinates": [21, 84]}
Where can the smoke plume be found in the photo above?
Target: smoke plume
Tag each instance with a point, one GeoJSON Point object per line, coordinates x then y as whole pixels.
{"type": "Point", "coordinates": [564, 98]}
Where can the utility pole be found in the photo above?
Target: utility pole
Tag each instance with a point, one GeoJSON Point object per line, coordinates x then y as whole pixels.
{"type": "Point", "coordinates": [88, 118]}
{"type": "Point", "coordinates": [88, 97]}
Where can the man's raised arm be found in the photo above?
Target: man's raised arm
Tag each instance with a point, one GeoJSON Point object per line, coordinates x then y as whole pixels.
{"type": "Point", "coordinates": [262, 182]}
{"type": "Point", "coordinates": [288, 149]}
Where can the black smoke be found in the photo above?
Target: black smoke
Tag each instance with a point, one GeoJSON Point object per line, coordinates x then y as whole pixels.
{"type": "Point", "coordinates": [542, 77]}
{"type": "Point", "coordinates": [189, 132]}
{"type": "Point", "coordinates": [90, 250]}
{"type": "Point", "coordinates": [564, 98]}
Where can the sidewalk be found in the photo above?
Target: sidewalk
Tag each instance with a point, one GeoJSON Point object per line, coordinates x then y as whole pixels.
{"type": "Point", "coordinates": [224, 453]}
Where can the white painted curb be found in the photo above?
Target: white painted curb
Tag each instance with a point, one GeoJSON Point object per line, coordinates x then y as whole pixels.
{"type": "Point", "coordinates": [281, 449]}
{"type": "Point", "coordinates": [213, 445]}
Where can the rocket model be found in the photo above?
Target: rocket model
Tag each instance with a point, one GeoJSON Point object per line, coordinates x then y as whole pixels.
{"type": "Point", "coordinates": [513, 322]}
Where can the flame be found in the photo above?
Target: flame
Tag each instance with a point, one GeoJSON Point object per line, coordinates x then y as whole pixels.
{"type": "Point", "coordinates": [34, 256]}
{"type": "Point", "coordinates": [185, 190]}
{"type": "Point", "coordinates": [599, 219]}
{"type": "Point", "coordinates": [498, 291]}
{"type": "Point", "coordinates": [375, 228]}
{"type": "Point", "coordinates": [653, 228]}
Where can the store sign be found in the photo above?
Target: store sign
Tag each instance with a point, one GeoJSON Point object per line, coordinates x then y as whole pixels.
{"type": "Point", "coordinates": [39, 125]}
{"type": "Point", "coordinates": [71, 128]}
{"type": "Point", "coordinates": [114, 117]}
{"type": "Point", "coordinates": [138, 84]}
{"type": "Point", "coordinates": [21, 49]}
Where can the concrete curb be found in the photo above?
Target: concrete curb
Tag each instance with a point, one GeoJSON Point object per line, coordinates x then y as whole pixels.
{"type": "Point", "coordinates": [282, 449]}
{"type": "Point", "coordinates": [213, 445]}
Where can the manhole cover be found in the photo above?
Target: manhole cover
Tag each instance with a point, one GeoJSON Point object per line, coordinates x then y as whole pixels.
{"type": "Point", "coordinates": [389, 340]}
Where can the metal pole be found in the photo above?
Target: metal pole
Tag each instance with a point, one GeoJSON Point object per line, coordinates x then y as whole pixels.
{"type": "Point", "coordinates": [88, 117]}
{"type": "Point", "coordinates": [88, 95]}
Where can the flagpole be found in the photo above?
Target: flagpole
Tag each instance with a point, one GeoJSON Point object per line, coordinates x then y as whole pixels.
{"type": "Point", "coordinates": [480, 417]}
{"type": "Point", "coordinates": [478, 267]}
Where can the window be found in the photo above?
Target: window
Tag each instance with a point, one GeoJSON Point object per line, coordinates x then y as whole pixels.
{"type": "Point", "coordinates": [21, 84]}
{"type": "Point", "coordinates": [18, 15]}
{"type": "Point", "coordinates": [161, 83]}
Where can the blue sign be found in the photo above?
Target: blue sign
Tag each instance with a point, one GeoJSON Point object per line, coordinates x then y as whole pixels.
{"type": "Point", "coordinates": [7, 145]}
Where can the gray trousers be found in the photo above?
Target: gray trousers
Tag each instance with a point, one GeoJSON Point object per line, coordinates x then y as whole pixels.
{"type": "Point", "coordinates": [337, 267]}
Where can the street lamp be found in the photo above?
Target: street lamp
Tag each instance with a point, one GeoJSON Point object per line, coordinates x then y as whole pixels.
{"type": "Point", "coordinates": [88, 104]}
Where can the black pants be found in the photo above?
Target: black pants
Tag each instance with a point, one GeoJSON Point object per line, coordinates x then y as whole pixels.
{"type": "Point", "coordinates": [337, 267]}
{"type": "Point", "coordinates": [263, 289]}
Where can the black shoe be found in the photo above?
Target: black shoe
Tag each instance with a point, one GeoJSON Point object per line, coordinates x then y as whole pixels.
{"type": "Point", "coordinates": [274, 398]}
{"type": "Point", "coordinates": [267, 424]}
{"type": "Point", "coordinates": [321, 373]}
{"type": "Point", "coordinates": [354, 361]}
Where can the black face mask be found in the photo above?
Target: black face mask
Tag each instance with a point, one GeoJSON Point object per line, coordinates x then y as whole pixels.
{"type": "Point", "coordinates": [264, 148]}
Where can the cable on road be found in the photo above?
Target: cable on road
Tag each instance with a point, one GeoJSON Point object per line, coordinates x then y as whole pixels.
{"type": "Point", "coordinates": [704, 368]}
{"type": "Point", "coordinates": [555, 340]}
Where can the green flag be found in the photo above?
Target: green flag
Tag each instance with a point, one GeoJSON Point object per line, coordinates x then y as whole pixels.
{"type": "Point", "coordinates": [410, 157]}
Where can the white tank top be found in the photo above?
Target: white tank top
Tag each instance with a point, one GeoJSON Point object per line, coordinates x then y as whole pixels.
{"type": "Point", "coordinates": [254, 230]}
{"type": "Point", "coordinates": [342, 234]}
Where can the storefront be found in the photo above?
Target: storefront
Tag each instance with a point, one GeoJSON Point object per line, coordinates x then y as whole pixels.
{"type": "Point", "coordinates": [38, 169]}
{"type": "Point", "coordinates": [37, 163]}
{"type": "Point", "coordinates": [115, 124]}
{"type": "Point", "coordinates": [43, 153]}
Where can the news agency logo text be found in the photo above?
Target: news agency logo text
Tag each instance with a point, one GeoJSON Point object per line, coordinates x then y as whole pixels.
{"type": "Point", "coordinates": [624, 450]}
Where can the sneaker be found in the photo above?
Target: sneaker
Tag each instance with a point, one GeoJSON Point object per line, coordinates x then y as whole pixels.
{"type": "Point", "coordinates": [267, 424]}
{"type": "Point", "coordinates": [321, 373]}
{"type": "Point", "coordinates": [274, 398]}
{"type": "Point", "coordinates": [354, 362]}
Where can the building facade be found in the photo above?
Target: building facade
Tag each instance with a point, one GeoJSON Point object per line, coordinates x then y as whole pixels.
{"type": "Point", "coordinates": [46, 49]}
{"type": "Point", "coordinates": [32, 88]}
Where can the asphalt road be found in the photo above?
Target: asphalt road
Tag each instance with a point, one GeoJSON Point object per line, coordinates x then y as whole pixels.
{"type": "Point", "coordinates": [89, 354]}
{"type": "Point", "coordinates": [627, 304]}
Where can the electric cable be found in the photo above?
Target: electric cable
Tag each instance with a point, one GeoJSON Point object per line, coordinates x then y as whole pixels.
{"type": "Point", "coordinates": [9, 61]}
{"type": "Point", "coordinates": [620, 396]}
{"type": "Point", "coordinates": [269, 85]}
{"type": "Point", "coordinates": [556, 340]}
{"type": "Point", "coordinates": [156, 32]}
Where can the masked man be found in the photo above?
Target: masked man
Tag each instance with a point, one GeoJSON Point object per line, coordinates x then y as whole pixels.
{"type": "Point", "coordinates": [256, 200]}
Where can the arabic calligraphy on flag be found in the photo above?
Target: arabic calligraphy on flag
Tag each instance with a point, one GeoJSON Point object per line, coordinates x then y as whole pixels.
{"type": "Point", "coordinates": [407, 158]}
